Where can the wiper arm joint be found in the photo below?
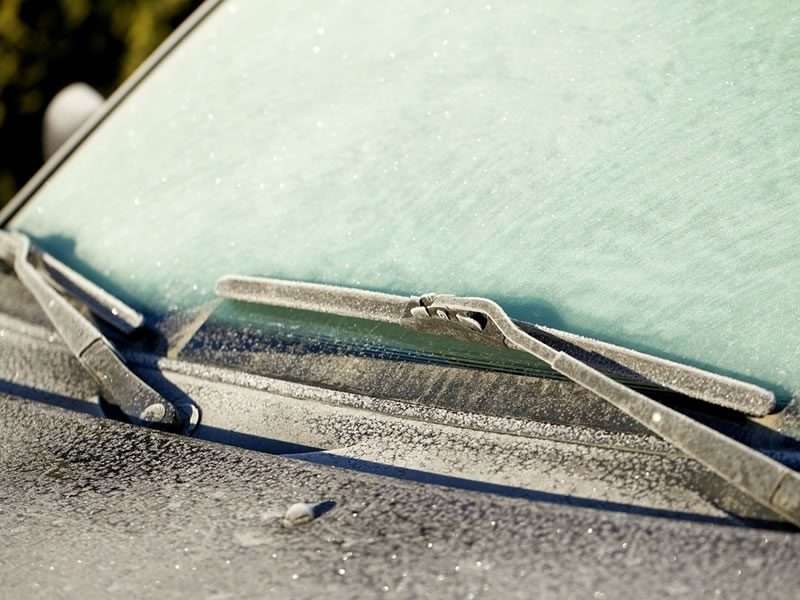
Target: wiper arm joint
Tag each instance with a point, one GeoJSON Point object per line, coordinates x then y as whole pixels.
{"type": "Point", "coordinates": [122, 391]}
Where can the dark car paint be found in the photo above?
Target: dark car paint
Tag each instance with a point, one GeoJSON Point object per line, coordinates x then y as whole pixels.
{"type": "Point", "coordinates": [92, 506]}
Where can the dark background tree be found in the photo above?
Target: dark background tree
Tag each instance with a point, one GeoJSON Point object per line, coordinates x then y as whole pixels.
{"type": "Point", "coordinates": [48, 44]}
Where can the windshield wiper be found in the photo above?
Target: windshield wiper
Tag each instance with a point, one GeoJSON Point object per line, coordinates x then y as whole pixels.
{"type": "Point", "coordinates": [767, 481]}
{"type": "Point", "coordinates": [120, 387]}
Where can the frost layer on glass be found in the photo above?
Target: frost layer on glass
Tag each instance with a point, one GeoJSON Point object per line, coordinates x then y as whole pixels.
{"type": "Point", "coordinates": [624, 171]}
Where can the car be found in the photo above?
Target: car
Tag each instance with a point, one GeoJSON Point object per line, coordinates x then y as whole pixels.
{"type": "Point", "coordinates": [420, 300]}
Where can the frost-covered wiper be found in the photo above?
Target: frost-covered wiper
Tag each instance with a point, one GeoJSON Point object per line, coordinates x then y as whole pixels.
{"type": "Point", "coordinates": [120, 387]}
{"type": "Point", "coordinates": [481, 320]}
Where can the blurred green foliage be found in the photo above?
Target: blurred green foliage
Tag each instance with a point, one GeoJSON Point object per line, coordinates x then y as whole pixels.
{"type": "Point", "coordinates": [48, 44]}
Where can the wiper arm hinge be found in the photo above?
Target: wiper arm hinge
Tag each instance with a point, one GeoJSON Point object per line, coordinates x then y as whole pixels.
{"type": "Point", "coordinates": [122, 391]}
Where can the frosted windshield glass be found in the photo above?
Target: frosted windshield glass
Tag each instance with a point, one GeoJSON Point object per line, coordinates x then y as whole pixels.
{"type": "Point", "coordinates": [624, 171]}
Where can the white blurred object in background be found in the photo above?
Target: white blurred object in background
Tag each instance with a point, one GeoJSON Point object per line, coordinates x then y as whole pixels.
{"type": "Point", "coordinates": [67, 111]}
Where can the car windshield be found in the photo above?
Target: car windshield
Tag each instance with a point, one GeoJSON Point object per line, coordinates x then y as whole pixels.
{"type": "Point", "coordinates": [621, 172]}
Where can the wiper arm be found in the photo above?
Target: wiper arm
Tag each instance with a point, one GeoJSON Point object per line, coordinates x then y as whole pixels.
{"type": "Point", "coordinates": [120, 387]}
{"type": "Point", "coordinates": [770, 483]}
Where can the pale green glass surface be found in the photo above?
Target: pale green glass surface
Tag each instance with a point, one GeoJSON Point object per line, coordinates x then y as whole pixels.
{"type": "Point", "coordinates": [627, 171]}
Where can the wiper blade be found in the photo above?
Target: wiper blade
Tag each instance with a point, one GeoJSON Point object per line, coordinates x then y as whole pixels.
{"type": "Point", "coordinates": [767, 481]}
{"type": "Point", "coordinates": [623, 363]}
{"type": "Point", "coordinates": [120, 387]}
{"type": "Point", "coordinates": [109, 308]}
